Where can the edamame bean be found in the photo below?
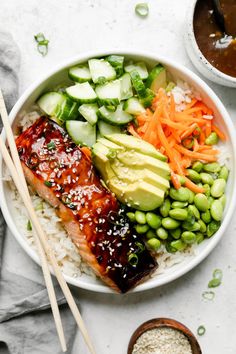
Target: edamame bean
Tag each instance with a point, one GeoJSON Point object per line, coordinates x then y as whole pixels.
{"type": "Point", "coordinates": [169, 223]}
{"type": "Point", "coordinates": [194, 175]}
{"type": "Point", "coordinates": [150, 234]}
{"type": "Point", "coordinates": [197, 166]}
{"type": "Point", "coordinates": [201, 202]}
{"type": "Point", "coordinates": [212, 139]}
{"type": "Point", "coordinates": [188, 237]}
{"type": "Point", "coordinates": [165, 208]}
{"type": "Point", "coordinates": [212, 227]}
{"type": "Point", "coordinates": [217, 210]}
{"type": "Point", "coordinates": [162, 233]}
{"type": "Point", "coordinates": [181, 179]}
{"type": "Point", "coordinates": [213, 167]}
{"type": "Point", "coordinates": [141, 229]}
{"type": "Point", "coordinates": [140, 217]}
{"type": "Point", "coordinates": [176, 233]}
{"type": "Point", "coordinates": [153, 220]}
{"type": "Point", "coordinates": [154, 244]}
{"type": "Point", "coordinates": [181, 194]}
{"type": "Point", "coordinates": [178, 214]}
{"type": "Point", "coordinates": [224, 173]}
{"type": "Point", "coordinates": [206, 216]}
{"type": "Point", "coordinates": [179, 245]}
{"type": "Point", "coordinates": [223, 200]}
{"type": "Point", "coordinates": [179, 205]}
{"type": "Point", "coordinates": [194, 227]}
{"type": "Point", "coordinates": [194, 210]}
{"type": "Point", "coordinates": [203, 227]}
{"type": "Point", "coordinates": [191, 196]}
{"type": "Point", "coordinates": [210, 200]}
{"type": "Point", "coordinates": [169, 248]}
{"type": "Point", "coordinates": [189, 222]}
{"type": "Point", "coordinates": [131, 216]}
{"type": "Point", "coordinates": [207, 190]}
{"type": "Point", "coordinates": [218, 188]}
{"type": "Point", "coordinates": [206, 178]}
{"type": "Point", "coordinates": [199, 237]}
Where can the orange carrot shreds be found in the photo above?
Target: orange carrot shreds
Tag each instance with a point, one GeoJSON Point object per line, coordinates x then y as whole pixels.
{"type": "Point", "coordinates": [172, 107]}
{"type": "Point", "coordinates": [162, 150]}
{"type": "Point", "coordinates": [182, 117]}
{"type": "Point", "coordinates": [87, 152]}
{"type": "Point", "coordinates": [195, 155]}
{"type": "Point", "coordinates": [172, 124]}
{"type": "Point", "coordinates": [186, 162]}
{"type": "Point", "coordinates": [191, 104]}
{"type": "Point", "coordinates": [195, 145]}
{"type": "Point", "coordinates": [206, 110]}
{"type": "Point", "coordinates": [220, 134]}
{"type": "Point", "coordinates": [175, 180]}
{"type": "Point", "coordinates": [132, 131]}
{"type": "Point", "coordinates": [193, 187]}
{"type": "Point", "coordinates": [208, 128]}
{"type": "Point", "coordinates": [208, 151]}
{"type": "Point", "coordinates": [202, 138]}
{"type": "Point", "coordinates": [189, 131]}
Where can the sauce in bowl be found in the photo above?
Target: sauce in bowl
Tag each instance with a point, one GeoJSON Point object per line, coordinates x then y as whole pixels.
{"type": "Point", "coordinates": [217, 47]}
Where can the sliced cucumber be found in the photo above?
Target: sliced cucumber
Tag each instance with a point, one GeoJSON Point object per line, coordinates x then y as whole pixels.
{"type": "Point", "coordinates": [107, 129]}
{"type": "Point", "coordinates": [50, 102]}
{"type": "Point", "coordinates": [157, 78]}
{"type": "Point", "coordinates": [82, 133]}
{"type": "Point", "coordinates": [133, 106]}
{"type": "Point", "coordinates": [119, 117]}
{"type": "Point", "coordinates": [80, 73]}
{"type": "Point", "coordinates": [147, 99]}
{"type": "Point", "coordinates": [117, 61]}
{"type": "Point", "coordinates": [170, 86]}
{"type": "Point", "coordinates": [101, 71]}
{"type": "Point", "coordinates": [68, 110]}
{"type": "Point", "coordinates": [83, 93]}
{"type": "Point", "coordinates": [138, 83]}
{"type": "Point", "coordinates": [89, 112]}
{"type": "Point", "coordinates": [140, 67]}
{"type": "Point", "coordinates": [126, 90]}
{"type": "Point", "coordinates": [109, 93]}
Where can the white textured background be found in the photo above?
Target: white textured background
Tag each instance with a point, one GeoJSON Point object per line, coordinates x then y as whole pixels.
{"type": "Point", "coordinates": [75, 26]}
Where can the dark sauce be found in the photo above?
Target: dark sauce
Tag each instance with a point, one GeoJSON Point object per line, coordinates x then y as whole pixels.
{"type": "Point", "coordinates": [217, 47]}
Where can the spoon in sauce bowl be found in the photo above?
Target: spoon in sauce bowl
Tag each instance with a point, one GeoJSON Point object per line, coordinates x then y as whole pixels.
{"type": "Point", "coordinates": [224, 11]}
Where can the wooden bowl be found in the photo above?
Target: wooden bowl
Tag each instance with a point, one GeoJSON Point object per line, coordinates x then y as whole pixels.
{"type": "Point", "coordinates": [164, 322]}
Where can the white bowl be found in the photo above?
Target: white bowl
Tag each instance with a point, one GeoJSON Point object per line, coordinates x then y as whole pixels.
{"type": "Point", "coordinates": [196, 56]}
{"type": "Point", "coordinates": [223, 120]}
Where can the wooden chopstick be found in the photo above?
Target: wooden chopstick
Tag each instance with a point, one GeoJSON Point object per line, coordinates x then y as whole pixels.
{"type": "Point", "coordinates": [19, 179]}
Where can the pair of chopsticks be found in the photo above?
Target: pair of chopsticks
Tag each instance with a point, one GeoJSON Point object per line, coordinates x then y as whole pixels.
{"type": "Point", "coordinates": [44, 250]}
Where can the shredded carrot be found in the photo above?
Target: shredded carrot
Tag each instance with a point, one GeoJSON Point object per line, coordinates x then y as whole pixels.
{"type": "Point", "coordinates": [175, 180]}
{"type": "Point", "coordinates": [196, 189]}
{"type": "Point", "coordinates": [220, 134]}
{"type": "Point", "coordinates": [87, 152]}
{"type": "Point", "coordinates": [132, 131]}
{"type": "Point", "coordinates": [189, 131]}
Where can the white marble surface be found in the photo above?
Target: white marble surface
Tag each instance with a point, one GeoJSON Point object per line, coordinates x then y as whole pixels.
{"type": "Point", "coordinates": [75, 26]}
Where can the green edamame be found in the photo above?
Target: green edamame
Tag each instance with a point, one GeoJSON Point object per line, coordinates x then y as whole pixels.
{"type": "Point", "coordinates": [141, 229]}
{"type": "Point", "coordinates": [203, 226]}
{"type": "Point", "coordinates": [194, 175]}
{"type": "Point", "coordinates": [213, 167]}
{"type": "Point", "coordinates": [162, 233]}
{"type": "Point", "coordinates": [188, 237]}
{"type": "Point", "coordinates": [169, 223]}
{"type": "Point", "coordinates": [194, 210]}
{"type": "Point", "coordinates": [212, 139]}
{"type": "Point", "coordinates": [207, 190]}
{"type": "Point", "coordinates": [131, 216]}
{"type": "Point", "coordinates": [212, 227]}
{"type": "Point", "coordinates": [165, 208]}
{"type": "Point", "coordinates": [179, 245]}
{"type": "Point", "coordinates": [191, 196]}
{"type": "Point", "coordinates": [153, 220]}
{"type": "Point", "coordinates": [169, 248]}
{"type": "Point", "coordinates": [217, 210]}
{"type": "Point", "coordinates": [224, 173]}
{"type": "Point", "coordinates": [210, 200]}
{"type": "Point", "coordinates": [178, 214]}
{"type": "Point", "coordinates": [181, 194]}
{"type": "Point", "coordinates": [176, 233]}
{"type": "Point", "coordinates": [181, 179]}
{"type": "Point", "coordinates": [194, 227]}
{"type": "Point", "coordinates": [150, 234]}
{"type": "Point", "coordinates": [140, 217]}
{"type": "Point", "coordinates": [218, 188]}
{"type": "Point", "coordinates": [201, 202]}
{"type": "Point", "coordinates": [199, 237]}
{"type": "Point", "coordinates": [154, 244]}
{"type": "Point", "coordinates": [206, 178]}
{"type": "Point", "coordinates": [197, 166]}
{"type": "Point", "coordinates": [222, 199]}
{"type": "Point", "coordinates": [206, 217]}
{"type": "Point", "coordinates": [179, 205]}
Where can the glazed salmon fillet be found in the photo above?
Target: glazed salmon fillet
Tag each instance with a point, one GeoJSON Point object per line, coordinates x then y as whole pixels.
{"type": "Point", "coordinates": [63, 175]}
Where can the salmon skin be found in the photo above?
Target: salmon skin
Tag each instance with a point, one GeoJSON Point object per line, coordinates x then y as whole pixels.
{"type": "Point", "coordinates": [61, 173]}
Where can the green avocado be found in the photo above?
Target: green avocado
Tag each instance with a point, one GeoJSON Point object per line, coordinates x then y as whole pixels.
{"type": "Point", "coordinates": [110, 144]}
{"type": "Point", "coordinates": [133, 143]}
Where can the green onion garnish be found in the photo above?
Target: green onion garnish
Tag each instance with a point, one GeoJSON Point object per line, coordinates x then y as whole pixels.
{"type": "Point", "coordinates": [208, 295]}
{"type": "Point", "coordinates": [140, 246]}
{"type": "Point", "coordinates": [201, 330]}
{"type": "Point", "coordinates": [51, 145]}
{"type": "Point", "coordinates": [48, 183]}
{"type": "Point", "coordinates": [218, 274]}
{"type": "Point", "coordinates": [133, 259]}
{"type": "Point", "coordinates": [42, 43]}
{"type": "Point", "coordinates": [216, 280]}
{"type": "Point", "coordinates": [188, 142]}
{"type": "Point", "coordinates": [29, 226]}
{"type": "Point", "coordinates": [142, 9]}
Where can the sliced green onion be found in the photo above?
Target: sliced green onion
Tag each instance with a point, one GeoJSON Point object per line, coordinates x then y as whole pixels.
{"type": "Point", "coordinates": [48, 183]}
{"type": "Point", "coordinates": [42, 43]}
{"type": "Point", "coordinates": [213, 283]}
{"type": "Point", "coordinates": [51, 145]}
{"type": "Point", "coordinates": [42, 49]}
{"type": "Point", "coordinates": [142, 9]}
{"type": "Point", "coordinates": [39, 206]}
{"type": "Point", "coordinates": [208, 295]}
{"type": "Point", "coordinates": [201, 330]}
{"type": "Point", "coordinates": [39, 37]}
{"type": "Point", "coordinates": [188, 142]}
{"type": "Point", "coordinates": [196, 133]}
{"type": "Point", "coordinates": [218, 274]}
{"type": "Point", "coordinates": [140, 246]}
{"type": "Point", "coordinates": [133, 259]}
{"type": "Point", "coordinates": [29, 226]}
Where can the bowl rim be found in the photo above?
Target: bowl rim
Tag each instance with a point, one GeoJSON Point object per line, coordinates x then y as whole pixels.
{"type": "Point", "coordinates": [198, 52]}
{"type": "Point", "coordinates": [204, 87]}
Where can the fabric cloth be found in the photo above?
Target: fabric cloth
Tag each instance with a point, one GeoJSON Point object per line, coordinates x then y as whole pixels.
{"type": "Point", "coordinates": [26, 321]}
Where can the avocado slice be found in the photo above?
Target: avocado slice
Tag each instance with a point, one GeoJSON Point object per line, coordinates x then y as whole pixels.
{"type": "Point", "coordinates": [157, 78]}
{"type": "Point", "coordinates": [139, 195]}
{"type": "Point", "coordinates": [132, 143]}
{"type": "Point", "coordinates": [110, 144]}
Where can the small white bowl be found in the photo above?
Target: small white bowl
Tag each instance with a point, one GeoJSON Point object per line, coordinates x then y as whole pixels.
{"type": "Point", "coordinates": [196, 56]}
{"type": "Point", "coordinates": [59, 75]}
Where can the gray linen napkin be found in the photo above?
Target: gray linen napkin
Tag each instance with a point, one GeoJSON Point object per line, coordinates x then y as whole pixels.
{"type": "Point", "coordinates": [26, 322]}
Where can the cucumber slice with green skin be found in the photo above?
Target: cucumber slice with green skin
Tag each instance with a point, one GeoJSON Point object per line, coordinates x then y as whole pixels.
{"type": "Point", "coordinates": [157, 78]}
{"type": "Point", "coordinates": [68, 110]}
{"type": "Point", "coordinates": [107, 129]}
{"type": "Point", "coordinates": [101, 71]}
{"type": "Point", "coordinates": [50, 102]}
{"type": "Point", "coordinates": [82, 133]}
{"type": "Point", "coordinates": [117, 61]}
{"type": "Point", "coordinates": [80, 73]}
{"type": "Point", "coordinates": [126, 87]}
{"type": "Point", "coordinates": [138, 83]}
{"type": "Point", "coordinates": [133, 106]}
{"type": "Point", "coordinates": [119, 117]}
{"type": "Point", "coordinates": [140, 67]}
{"type": "Point", "coordinates": [89, 112]}
{"type": "Point", "coordinates": [82, 93]}
{"type": "Point", "coordinates": [109, 93]}
{"type": "Point", "coordinates": [147, 99]}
